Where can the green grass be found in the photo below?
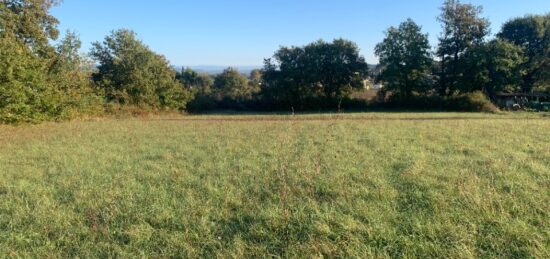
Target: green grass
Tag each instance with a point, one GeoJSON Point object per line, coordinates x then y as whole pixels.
{"type": "Point", "coordinates": [446, 185]}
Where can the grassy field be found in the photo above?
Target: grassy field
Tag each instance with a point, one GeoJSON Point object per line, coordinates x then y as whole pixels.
{"type": "Point", "coordinates": [446, 185]}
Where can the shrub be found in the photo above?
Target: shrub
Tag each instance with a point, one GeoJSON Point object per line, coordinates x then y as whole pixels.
{"type": "Point", "coordinates": [34, 89]}
{"type": "Point", "coordinates": [38, 81]}
{"type": "Point", "coordinates": [229, 90]}
{"type": "Point", "coordinates": [470, 102]}
{"type": "Point", "coordinates": [23, 84]}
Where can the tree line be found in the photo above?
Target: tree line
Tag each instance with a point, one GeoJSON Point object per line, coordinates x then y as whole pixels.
{"type": "Point", "coordinates": [516, 60]}
{"type": "Point", "coordinates": [44, 81]}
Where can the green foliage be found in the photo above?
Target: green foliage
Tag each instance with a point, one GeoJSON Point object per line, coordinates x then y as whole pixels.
{"type": "Point", "coordinates": [26, 93]}
{"type": "Point", "coordinates": [131, 74]}
{"type": "Point", "coordinates": [405, 60]}
{"type": "Point", "coordinates": [492, 67]}
{"type": "Point", "coordinates": [73, 72]}
{"type": "Point", "coordinates": [40, 81]}
{"type": "Point", "coordinates": [195, 81]}
{"type": "Point", "coordinates": [532, 34]}
{"type": "Point", "coordinates": [475, 101]}
{"type": "Point", "coordinates": [68, 49]}
{"type": "Point", "coordinates": [463, 29]}
{"type": "Point", "coordinates": [320, 70]}
{"type": "Point", "coordinates": [233, 85]}
{"type": "Point", "coordinates": [30, 22]}
{"type": "Point", "coordinates": [229, 90]}
{"type": "Point", "coordinates": [37, 81]}
{"type": "Point", "coordinates": [468, 102]}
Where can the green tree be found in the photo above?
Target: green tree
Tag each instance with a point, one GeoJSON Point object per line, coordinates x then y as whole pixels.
{"type": "Point", "coordinates": [405, 59]}
{"type": "Point", "coordinates": [493, 67]}
{"type": "Point", "coordinates": [30, 22]}
{"type": "Point", "coordinates": [340, 68]}
{"type": "Point", "coordinates": [463, 29]}
{"type": "Point", "coordinates": [37, 81]}
{"type": "Point", "coordinates": [320, 70]}
{"type": "Point", "coordinates": [233, 85]}
{"type": "Point", "coordinates": [195, 81]}
{"type": "Point", "coordinates": [130, 73]}
{"type": "Point", "coordinates": [25, 89]}
{"type": "Point", "coordinates": [532, 34]}
{"type": "Point", "coordinates": [286, 81]}
{"type": "Point", "coordinates": [73, 77]}
{"type": "Point", "coordinates": [68, 51]}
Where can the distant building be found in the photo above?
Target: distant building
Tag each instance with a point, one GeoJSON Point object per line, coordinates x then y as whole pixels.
{"type": "Point", "coordinates": [368, 84]}
{"type": "Point", "coordinates": [378, 86]}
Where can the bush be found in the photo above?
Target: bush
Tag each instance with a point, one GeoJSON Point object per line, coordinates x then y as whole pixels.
{"type": "Point", "coordinates": [470, 102]}
{"type": "Point", "coordinates": [117, 110]}
{"type": "Point", "coordinates": [205, 102]}
{"type": "Point", "coordinates": [34, 89]}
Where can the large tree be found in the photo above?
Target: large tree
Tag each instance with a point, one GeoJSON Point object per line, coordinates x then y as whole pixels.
{"type": "Point", "coordinates": [68, 52]}
{"type": "Point", "coordinates": [26, 90]}
{"type": "Point", "coordinates": [37, 80]}
{"type": "Point", "coordinates": [492, 67]}
{"type": "Point", "coordinates": [532, 34]}
{"type": "Point", "coordinates": [285, 78]}
{"type": "Point", "coordinates": [131, 73]}
{"type": "Point", "coordinates": [233, 85]}
{"type": "Point", "coordinates": [30, 22]}
{"type": "Point", "coordinates": [405, 59]}
{"type": "Point", "coordinates": [463, 29]}
{"type": "Point", "coordinates": [319, 70]}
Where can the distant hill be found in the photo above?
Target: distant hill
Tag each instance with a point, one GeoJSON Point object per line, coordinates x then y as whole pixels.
{"type": "Point", "coordinates": [214, 70]}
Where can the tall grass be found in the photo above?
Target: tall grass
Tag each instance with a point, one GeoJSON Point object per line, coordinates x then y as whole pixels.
{"type": "Point", "coordinates": [361, 185]}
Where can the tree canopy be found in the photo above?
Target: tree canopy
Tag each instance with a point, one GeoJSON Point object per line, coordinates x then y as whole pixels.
{"type": "Point", "coordinates": [232, 84]}
{"type": "Point", "coordinates": [195, 81]}
{"type": "Point", "coordinates": [329, 71]}
{"type": "Point", "coordinates": [30, 22]}
{"type": "Point", "coordinates": [532, 34]}
{"type": "Point", "coordinates": [492, 67]}
{"type": "Point", "coordinates": [405, 59]}
{"type": "Point", "coordinates": [43, 77]}
{"type": "Point", "coordinates": [463, 29]}
{"type": "Point", "coordinates": [130, 73]}
{"type": "Point", "coordinates": [37, 80]}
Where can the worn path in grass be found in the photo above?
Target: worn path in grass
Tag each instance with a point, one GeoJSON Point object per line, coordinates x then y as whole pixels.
{"type": "Point", "coordinates": [341, 118]}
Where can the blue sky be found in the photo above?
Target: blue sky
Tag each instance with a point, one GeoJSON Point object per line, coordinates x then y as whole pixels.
{"type": "Point", "coordinates": [244, 32]}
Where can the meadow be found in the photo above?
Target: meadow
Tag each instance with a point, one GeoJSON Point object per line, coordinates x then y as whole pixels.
{"type": "Point", "coordinates": [364, 185]}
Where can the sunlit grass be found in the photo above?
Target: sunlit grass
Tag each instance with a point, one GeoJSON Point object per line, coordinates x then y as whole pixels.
{"type": "Point", "coordinates": [359, 185]}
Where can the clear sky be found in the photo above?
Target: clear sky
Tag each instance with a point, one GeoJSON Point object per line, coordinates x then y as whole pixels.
{"type": "Point", "coordinates": [244, 32]}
